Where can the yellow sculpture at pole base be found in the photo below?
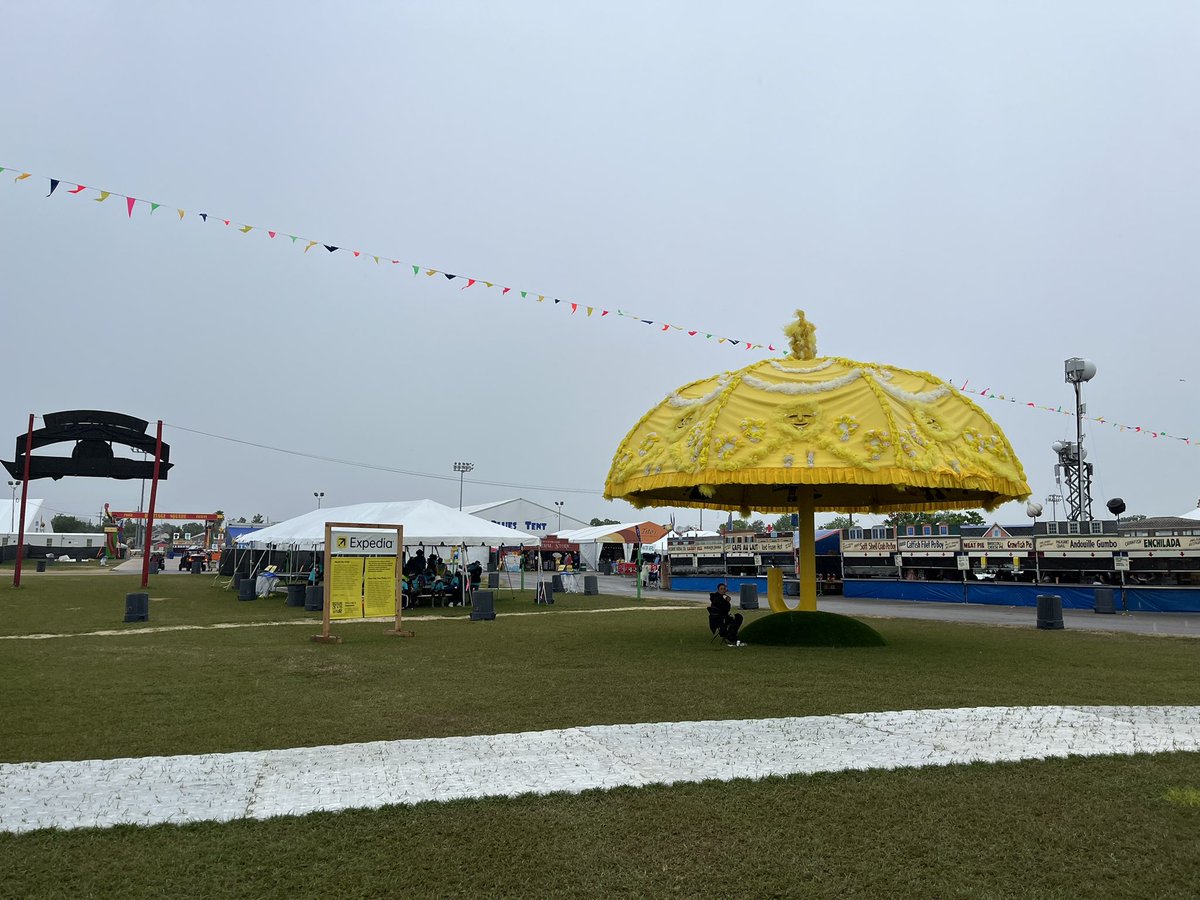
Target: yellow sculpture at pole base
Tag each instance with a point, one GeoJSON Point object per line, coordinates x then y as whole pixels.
{"type": "Point", "coordinates": [775, 590]}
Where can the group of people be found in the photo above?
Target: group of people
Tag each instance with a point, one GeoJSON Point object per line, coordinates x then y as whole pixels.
{"type": "Point", "coordinates": [429, 576]}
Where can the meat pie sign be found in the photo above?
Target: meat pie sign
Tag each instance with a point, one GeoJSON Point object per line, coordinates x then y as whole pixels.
{"type": "Point", "coordinates": [362, 574]}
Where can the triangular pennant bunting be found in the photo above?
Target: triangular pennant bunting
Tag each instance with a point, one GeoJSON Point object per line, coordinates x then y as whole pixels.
{"type": "Point", "coordinates": [53, 186]}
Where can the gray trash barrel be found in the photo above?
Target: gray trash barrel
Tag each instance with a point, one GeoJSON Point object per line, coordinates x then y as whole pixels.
{"type": "Point", "coordinates": [295, 595]}
{"type": "Point", "coordinates": [1049, 612]}
{"type": "Point", "coordinates": [591, 584]}
{"type": "Point", "coordinates": [314, 597]}
{"type": "Point", "coordinates": [1105, 600]}
{"type": "Point", "coordinates": [137, 607]}
{"type": "Point", "coordinates": [246, 589]}
{"type": "Point", "coordinates": [197, 567]}
{"type": "Point", "coordinates": [556, 583]}
{"type": "Point", "coordinates": [482, 607]}
{"type": "Point", "coordinates": [41, 565]}
{"type": "Point", "coordinates": [749, 596]}
{"type": "Point", "coordinates": [493, 580]}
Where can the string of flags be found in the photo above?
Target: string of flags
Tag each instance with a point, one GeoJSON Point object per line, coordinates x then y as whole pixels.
{"type": "Point", "coordinates": [988, 394]}
{"type": "Point", "coordinates": [467, 281]}
{"type": "Point", "coordinates": [132, 203]}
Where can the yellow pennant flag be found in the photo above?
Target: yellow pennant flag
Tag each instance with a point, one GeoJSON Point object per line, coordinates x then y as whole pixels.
{"type": "Point", "coordinates": [22, 176]}
{"type": "Point", "coordinates": [245, 229]}
{"type": "Point", "coordinates": [376, 258]}
{"type": "Point", "coordinates": [180, 211]}
{"type": "Point", "coordinates": [431, 271]}
{"type": "Point", "coordinates": [590, 309]}
{"type": "Point", "coordinates": [541, 297]}
{"type": "Point", "coordinates": [103, 196]}
{"type": "Point", "coordinates": [311, 244]}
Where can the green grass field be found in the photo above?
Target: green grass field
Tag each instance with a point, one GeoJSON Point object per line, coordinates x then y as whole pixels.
{"type": "Point", "coordinates": [1097, 827]}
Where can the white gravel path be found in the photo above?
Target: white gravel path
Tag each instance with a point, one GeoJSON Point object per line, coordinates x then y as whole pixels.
{"type": "Point", "coordinates": [225, 786]}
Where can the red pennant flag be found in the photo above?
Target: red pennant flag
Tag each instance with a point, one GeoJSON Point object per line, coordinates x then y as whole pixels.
{"type": "Point", "coordinates": [81, 187]}
{"type": "Point", "coordinates": [665, 327]}
{"type": "Point", "coordinates": [271, 233]}
{"type": "Point", "coordinates": [505, 291]}
{"type": "Point", "coordinates": [692, 333]}
{"type": "Point", "coordinates": [226, 221]}
{"type": "Point", "coordinates": [603, 313]}
{"type": "Point", "coordinates": [470, 281]}
{"type": "Point", "coordinates": [770, 346]}
{"type": "Point", "coordinates": [355, 253]}
{"type": "Point", "coordinates": [574, 307]}
{"type": "Point", "coordinates": [129, 201]}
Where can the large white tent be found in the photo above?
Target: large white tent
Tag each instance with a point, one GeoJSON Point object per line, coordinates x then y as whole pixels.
{"type": "Point", "coordinates": [10, 515]}
{"type": "Point", "coordinates": [425, 522]}
{"type": "Point", "coordinates": [591, 540]}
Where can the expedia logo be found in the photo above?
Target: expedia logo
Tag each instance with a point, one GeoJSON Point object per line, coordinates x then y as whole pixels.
{"type": "Point", "coordinates": [341, 543]}
{"type": "Point", "coordinates": [360, 543]}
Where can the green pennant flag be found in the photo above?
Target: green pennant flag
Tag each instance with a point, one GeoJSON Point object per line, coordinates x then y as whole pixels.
{"type": "Point", "coordinates": [524, 293]}
{"type": "Point", "coordinates": [416, 269]}
{"type": "Point", "coordinates": [153, 207]}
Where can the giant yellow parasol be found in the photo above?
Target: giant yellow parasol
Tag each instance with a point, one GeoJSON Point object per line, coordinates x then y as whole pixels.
{"type": "Point", "coordinates": [809, 433]}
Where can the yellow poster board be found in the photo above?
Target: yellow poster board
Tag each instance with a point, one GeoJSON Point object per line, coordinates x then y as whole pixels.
{"type": "Point", "coordinates": [346, 587]}
{"type": "Point", "coordinates": [379, 586]}
{"type": "Point", "coordinates": [362, 575]}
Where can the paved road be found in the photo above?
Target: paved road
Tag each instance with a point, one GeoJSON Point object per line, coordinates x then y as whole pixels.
{"type": "Point", "coordinates": [1185, 624]}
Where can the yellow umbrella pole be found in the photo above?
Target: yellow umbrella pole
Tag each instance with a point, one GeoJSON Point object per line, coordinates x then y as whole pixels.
{"type": "Point", "coordinates": [808, 549]}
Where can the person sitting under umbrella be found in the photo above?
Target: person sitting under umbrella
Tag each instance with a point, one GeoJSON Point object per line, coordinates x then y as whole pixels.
{"type": "Point", "coordinates": [720, 620]}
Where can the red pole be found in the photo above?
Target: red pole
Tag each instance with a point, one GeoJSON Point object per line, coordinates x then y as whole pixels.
{"type": "Point", "coordinates": [24, 495]}
{"type": "Point", "coordinates": [149, 542]}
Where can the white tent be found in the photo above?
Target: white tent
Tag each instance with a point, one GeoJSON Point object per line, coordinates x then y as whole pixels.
{"type": "Point", "coordinates": [425, 522]}
{"type": "Point", "coordinates": [1192, 513]}
{"type": "Point", "coordinates": [10, 514]}
{"type": "Point", "coordinates": [592, 539]}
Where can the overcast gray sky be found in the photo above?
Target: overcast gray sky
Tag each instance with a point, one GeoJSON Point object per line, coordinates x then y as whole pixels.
{"type": "Point", "coordinates": [977, 189]}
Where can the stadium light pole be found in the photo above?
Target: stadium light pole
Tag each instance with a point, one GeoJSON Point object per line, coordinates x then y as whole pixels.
{"type": "Point", "coordinates": [1054, 500]}
{"type": "Point", "coordinates": [462, 468]}
{"type": "Point", "coordinates": [559, 504]}
{"type": "Point", "coordinates": [12, 512]}
{"type": "Point", "coordinates": [318, 495]}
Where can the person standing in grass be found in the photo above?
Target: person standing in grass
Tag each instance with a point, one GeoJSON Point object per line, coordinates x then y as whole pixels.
{"type": "Point", "coordinates": [720, 618]}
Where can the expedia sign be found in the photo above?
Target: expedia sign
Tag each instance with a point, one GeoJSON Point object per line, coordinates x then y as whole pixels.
{"type": "Point", "coordinates": [363, 543]}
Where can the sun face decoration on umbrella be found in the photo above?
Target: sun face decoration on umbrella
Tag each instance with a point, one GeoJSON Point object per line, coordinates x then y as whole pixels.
{"type": "Point", "coordinates": [809, 433]}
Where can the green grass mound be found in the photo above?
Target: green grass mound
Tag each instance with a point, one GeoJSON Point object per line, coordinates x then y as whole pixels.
{"type": "Point", "coordinates": [810, 629]}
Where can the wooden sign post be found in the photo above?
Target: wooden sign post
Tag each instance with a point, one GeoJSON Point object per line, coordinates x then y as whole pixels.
{"type": "Point", "coordinates": [362, 575]}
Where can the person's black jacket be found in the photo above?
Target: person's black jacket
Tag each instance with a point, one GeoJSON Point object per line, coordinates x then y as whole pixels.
{"type": "Point", "coordinates": [719, 607]}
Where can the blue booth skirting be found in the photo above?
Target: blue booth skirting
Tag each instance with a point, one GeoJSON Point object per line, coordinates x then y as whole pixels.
{"type": "Point", "coordinates": [1137, 599]}
{"type": "Point", "coordinates": [707, 585]}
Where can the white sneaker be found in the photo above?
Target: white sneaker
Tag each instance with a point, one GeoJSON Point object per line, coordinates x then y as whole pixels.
{"type": "Point", "coordinates": [740, 644]}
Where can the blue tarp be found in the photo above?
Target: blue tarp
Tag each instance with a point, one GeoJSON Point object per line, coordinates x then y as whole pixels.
{"type": "Point", "coordinates": [707, 585]}
{"type": "Point", "coordinates": [1073, 596]}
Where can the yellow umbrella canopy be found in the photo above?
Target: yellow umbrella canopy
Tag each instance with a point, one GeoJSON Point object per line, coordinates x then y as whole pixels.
{"type": "Point", "coordinates": [843, 435]}
{"type": "Point", "coordinates": [814, 433]}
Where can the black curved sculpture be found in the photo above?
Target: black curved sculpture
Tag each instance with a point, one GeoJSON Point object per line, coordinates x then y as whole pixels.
{"type": "Point", "coordinates": [94, 433]}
